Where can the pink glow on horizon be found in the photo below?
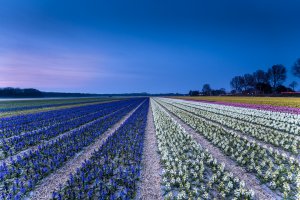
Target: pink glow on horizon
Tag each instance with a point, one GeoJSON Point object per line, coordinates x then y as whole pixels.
{"type": "Point", "coordinates": [66, 70]}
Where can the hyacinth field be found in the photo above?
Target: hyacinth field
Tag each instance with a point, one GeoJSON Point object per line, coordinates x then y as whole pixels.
{"type": "Point", "coordinates": [279, 104]}
{"type": "Point", "coordinates": [148, 148]}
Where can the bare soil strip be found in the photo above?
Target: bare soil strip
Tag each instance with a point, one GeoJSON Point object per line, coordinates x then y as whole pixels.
{"type": "Point", "coordinates": [149, 187]}
{"type": "Point", "coordinates": [251, 182]}
{"type": "Point", "coordinates": [52, 183]}
{"type": "Point", "coordinates": [34, 148]}
{"type": "Point", "coordinates": [246, 136]}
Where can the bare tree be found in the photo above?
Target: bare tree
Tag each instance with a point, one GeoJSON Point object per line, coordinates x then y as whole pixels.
{"type": "Point", "coordinates": [296, 68]}
{"type": "Point", "coordinates": [237, 83]}
{"type": "Point", "coordinates": [293, 85]}
{"type": "Point", "coordinates": [277, 74]}
{"type": "Point", "coordinates": [261, 80]}
{"type": "Point", "coordinates": [206, 89]}
{"type": "Point", "coordinates": [260, 76]}
{"type": "Point", "coordinates": [248, 81]}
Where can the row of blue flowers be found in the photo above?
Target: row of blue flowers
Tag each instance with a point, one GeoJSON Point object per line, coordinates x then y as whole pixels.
{"type": "Point", "coordinates": [27, 118]}
{"type": "Point", "coordinates": [114, 169]}
{"type": "Point", "coordinates": [11, 126]}
{"type": "Point", "coordinates": [21, 176]}
{"type": "Point", "coordinates": [13, 145]}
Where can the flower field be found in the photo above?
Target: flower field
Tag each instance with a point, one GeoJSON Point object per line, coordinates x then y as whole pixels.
{"type": "Point", "coordinates": [266, 144]}
{"type": "Point", "coordinates": [113, 170]}
{"type": "Point", "coordinates": [8, 106]}
{"type": "Point", "coordinates": [190, 171]}
{"type": "Point", "coordinates": [201, 150]}
{"type": "Point", "coordinates": [280, 104]}
{"type": "Point", "coordinates": [48, 147]}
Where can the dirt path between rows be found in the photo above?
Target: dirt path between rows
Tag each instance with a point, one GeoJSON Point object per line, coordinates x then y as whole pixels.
{"type": "Point", "coordinates": [245, 136]}
{"type": "Point", "coordinates": [52, 183]}
{"type": "Point", "coordinates": [34, 148]}
{"type": "Point", "coordinates": [149, 187]}
{"type": "Point", "coordinates": [251, 182]}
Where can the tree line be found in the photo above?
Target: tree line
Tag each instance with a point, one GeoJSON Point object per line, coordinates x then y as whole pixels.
{"type": "Point", "coordinates": [19, 93]}
{"type": "Point", "coordinates": [259, 82]}
{"type": "Point", "coordinates": [207, 91]}
{"type": "Point", "coordinates": [10, 92]}
{"type": "Point", "coordinates": [266, 82]}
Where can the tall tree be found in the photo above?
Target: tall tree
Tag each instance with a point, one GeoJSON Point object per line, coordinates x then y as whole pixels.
{"type": "Point", "coordinates": [248, 81]}
{"type": "Point", "coordinates": [296, 68]}
{"type": "Point", "coordinates": [261, 81]}
{"type": "Point", "coordinates": [264, 88]}
{"type": "Point", "coordinates": [277, 74]}
{"type": "Point", "coordinates": [260, 76]}
{"type": "Point", "coordinates": [206, 89]}
{"type": "Point", "coordinates": [293, 85]}
{"type": "Point", "coordinates": [237, 83]}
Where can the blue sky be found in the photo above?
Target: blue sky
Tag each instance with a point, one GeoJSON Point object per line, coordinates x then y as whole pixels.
{"type": "Point", "coordinates": [143, 46]}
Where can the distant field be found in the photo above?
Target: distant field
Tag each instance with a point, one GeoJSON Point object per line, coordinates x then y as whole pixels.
{"type": "Point", "coordinates": [273, 101]}
{"type": "Point", "coordinates": [26, 106]}
{"type": "Point", "coordinates": [18, 104]}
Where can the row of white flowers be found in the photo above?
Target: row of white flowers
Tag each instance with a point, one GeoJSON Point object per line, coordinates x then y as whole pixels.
{"type": "Point", "coordinates": [189, 171]}
{"type": "Point", "coordinates": [282, 121]}
{"type": "Point", "coordinates": [277, 171]}
{"type": "Point", "coordinates": [246, 125]}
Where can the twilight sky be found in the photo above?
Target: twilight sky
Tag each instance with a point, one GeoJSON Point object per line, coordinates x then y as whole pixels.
{"type": "Point", "coordinates": [119, 46]}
